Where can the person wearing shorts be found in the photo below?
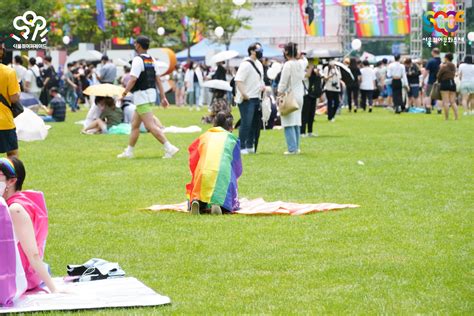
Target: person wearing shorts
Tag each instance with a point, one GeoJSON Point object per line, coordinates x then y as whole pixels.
{"type": "Point", "coordinates": [9, 93]}
{"type": "Point", "coordinates": [144, 77]}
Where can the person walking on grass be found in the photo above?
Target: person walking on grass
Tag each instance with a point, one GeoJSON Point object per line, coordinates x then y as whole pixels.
{"type": "Point", "coordinates": [292, 76]}
{"type": "Point", "coordinates": [447, 86]}
{"type": "Point", "coordinates": [9, 94]}
{"type": "Point", "coordinates": [466, 76]}
{"type": "Point", "coordinates": [144, 78]}
{"type": "Point", "coordinates": [367, 85]}
{"type": "Point", "coordinates": [397, 72]}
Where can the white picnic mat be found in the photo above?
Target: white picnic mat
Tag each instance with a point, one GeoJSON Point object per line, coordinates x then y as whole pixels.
{"type": "Point", "coordinates": [119, 292]}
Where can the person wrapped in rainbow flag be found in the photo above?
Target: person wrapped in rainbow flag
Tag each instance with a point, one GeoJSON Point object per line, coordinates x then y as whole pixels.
{"type": "Point", "coordinates": [215, 165]}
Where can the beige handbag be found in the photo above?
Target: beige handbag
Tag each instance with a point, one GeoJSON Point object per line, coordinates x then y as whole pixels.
{"type": "Point", "coordinates": [287, 103]}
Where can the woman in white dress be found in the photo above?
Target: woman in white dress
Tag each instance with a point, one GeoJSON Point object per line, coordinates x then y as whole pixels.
{"type": "Point", "coordinates": [292, 77]}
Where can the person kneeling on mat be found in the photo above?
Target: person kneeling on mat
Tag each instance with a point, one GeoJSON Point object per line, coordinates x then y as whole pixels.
{"type": "Point", "coordinates": [215, 164]}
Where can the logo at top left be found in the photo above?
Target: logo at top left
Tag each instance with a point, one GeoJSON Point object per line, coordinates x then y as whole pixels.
{"type": "Point", "coordinates": [31, 27]}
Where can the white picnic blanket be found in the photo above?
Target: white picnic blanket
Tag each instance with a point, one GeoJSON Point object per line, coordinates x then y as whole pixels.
{"type": "Point", "coordinates": [119, 292]}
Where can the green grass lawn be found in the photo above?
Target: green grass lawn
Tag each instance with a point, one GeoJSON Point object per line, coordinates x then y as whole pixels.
{"type": "Point", "coordinates": [408, 249]}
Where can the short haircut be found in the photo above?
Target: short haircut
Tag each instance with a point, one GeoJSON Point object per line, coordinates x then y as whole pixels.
{"type": "Point", "coordinates": [32, 61]}
{"type": "Point", "coordinates": [143, 41]}
{"type": "Point", "coordinates": [449, 56]}
{"type": "Point", "coordinates": [291, 49]}
{"type": "Point", "coordinates": [468, 59]}
{"type": "Point", "coordinates": [408, 60]}
{"type": "Point", "coordinates": [69, 65]}
{"type": "Point", "coordinates": [53, 90]}
{"type": "Point", "coordinates": [253, 47]}
{"type": "Point", "coordinates": [365, 62]}
{"type": "Point", "coordinates": [18, 59]}
{"type": "Point", "coordinates": [384, 61]}
{"type": "Point", "coordinates": [397, 57]}
{"type": "Point", "coordinates": [48, 58]}
{"type": "Point", "coordinates": [104, 58]}
{"type": "Point", "coordinates": [435, 51]}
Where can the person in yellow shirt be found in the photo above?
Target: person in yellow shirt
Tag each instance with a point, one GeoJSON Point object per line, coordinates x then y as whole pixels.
{"type": "Point", "coordinates": [10, 90]}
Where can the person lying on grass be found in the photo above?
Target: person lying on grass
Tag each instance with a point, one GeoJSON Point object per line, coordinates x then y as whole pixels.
{"type": "Point", "coordinates": [215, 164]}
{"type": "Point", "coordinates": [110, 116]}
{"type": "Point", "coordinates": [29, 217]}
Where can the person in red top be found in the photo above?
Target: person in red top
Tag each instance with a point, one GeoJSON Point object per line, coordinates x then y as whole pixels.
{"type": "Point", "coordinates": [30, 222]}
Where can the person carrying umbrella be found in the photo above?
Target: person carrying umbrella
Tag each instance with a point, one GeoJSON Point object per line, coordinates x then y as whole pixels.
{"type": "Point", "coordinates": [144, 78]}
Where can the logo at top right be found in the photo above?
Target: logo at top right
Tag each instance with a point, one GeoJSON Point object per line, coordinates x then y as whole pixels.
{"type": "Point", "coordinates": [444, 22]}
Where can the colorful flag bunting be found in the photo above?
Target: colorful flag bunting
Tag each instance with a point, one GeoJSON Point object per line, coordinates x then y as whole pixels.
{"type": "Point", "coordinates": [313, 14]}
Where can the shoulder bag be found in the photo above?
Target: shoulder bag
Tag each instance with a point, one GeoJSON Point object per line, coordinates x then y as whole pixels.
{"type": "Point", "coordinates": [286, 102]}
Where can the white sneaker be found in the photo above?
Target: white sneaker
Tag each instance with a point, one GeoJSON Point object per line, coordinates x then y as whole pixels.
{"type": "Point", "coordinates": [170, 153]}
{"type": "Point", "coordinates": [125, 154]}
{"type": "Point", "coordinates": [466, 113]}
{"type": "Point", "coordinates": [216, 210]}
{"type": "Point", "coordinates": [313, 135]}
{"type": "Point", "coordinates": [244, 152]}
{"type": "Point", "coordinates": [333, 120]}
{"type": "Point", "coordinates": [290, 153]}
{"type": "Point", "coordinates": [305, 135]}
{"type": "Point", "coordinates": [251, 150]}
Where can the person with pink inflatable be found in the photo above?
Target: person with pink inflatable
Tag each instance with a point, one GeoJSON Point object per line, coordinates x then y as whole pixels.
{"type": "Point", "coordinates": [29, 219]}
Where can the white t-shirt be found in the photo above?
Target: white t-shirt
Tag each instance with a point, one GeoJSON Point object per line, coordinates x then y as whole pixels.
{"type": "Point", "coordinates": [333, 83]}
{"type": "Point", "coordinates": [30, 77]}
{"type": "Point", "coordinates": [143, 96]}
{"type": "Point", "coordinates": [467, 72]}
{"type": "Point", "coordinates": [368, 78]}
{"type": "Point", "coordinates": [20, 72]}
{"type": "Point", "coordinates": [251, 80]}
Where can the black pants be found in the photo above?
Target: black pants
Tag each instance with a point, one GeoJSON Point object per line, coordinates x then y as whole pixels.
{"type": "Point", "coordinates": [307, 114]}
{"type": "Point", "coordinates": [397, 93]}
{"type": "Point", "coordinates": [353, 95]}
{"type": "Point", "coordinates": [366, 94]}
{"type": "Point", "coordinates": [333, 103]}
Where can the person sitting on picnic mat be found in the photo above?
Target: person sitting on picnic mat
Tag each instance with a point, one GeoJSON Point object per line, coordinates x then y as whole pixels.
{"type": "Point", "coordinates": [218, 104]}
{"type": "Point", "coordinates": [29, 217]}
{"type": "Point", "coordinates": [215, 164]}
{"type": "Point", "coordinates": [110, 116]}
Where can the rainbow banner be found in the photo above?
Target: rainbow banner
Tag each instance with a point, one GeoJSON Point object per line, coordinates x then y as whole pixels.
{"type": "Point", "coordinates": [367, 20]}
{"type": "Point", "coordinates": [215, 164]}
{"type": "Point", "coordinates": [313, 14]}
{"type": "Point", "coordinates": [396, 15]}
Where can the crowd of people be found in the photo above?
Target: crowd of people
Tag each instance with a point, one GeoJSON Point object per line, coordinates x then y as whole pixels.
{"type": "Point", "coordinates": [215, 156]}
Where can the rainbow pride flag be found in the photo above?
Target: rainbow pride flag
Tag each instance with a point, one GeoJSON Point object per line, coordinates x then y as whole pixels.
{"type": "Point", "coordinates": [396, 14]}
{"type": "Point", "coordinates": [313, 14]}
{"type": "Point", "coordinates": [215, 164]}
{"type": "Point", "coordinates": [366, 20]}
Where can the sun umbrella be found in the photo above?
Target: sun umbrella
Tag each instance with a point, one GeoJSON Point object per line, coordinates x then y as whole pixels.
{"type": "Point", "coordinates": [217, 84]}
{"type": "Point", "coordinates": [344, 68]}
{"type": "Point", "coordinates": [27, 99]}
{"type": "Point", "coordinates": [274, 70]}
{"type": "Point", "coordinates": [105, 90]}
{"type": "Point", "coordinates": [30, 127]}
{"type": "Point", "coordinates": [223, 56]}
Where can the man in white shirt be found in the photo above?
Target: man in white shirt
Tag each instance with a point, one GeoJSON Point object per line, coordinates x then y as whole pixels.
{"type": "Point", "coordinates": [250, 85]}
{"type": "Point", "coordinates": [144, 77]}
{"type": "Point", "coordinates": [19, 68]}
{"type": "Point", "coordinates": [31, 74]}
{"type": "Point", "coordinates": [367, 85]}
{"type": "Point", "coordinates": [397, 72]}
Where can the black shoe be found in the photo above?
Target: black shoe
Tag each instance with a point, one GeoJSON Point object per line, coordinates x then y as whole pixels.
{"type": "Point", "coordinates": [439, 111]}
{"type": "Point", "coordinates": [370, 110]}
{"type": "Point", "coordinates": [355, 110]}
{"type": "Point", "coordinates": [428, 111]}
